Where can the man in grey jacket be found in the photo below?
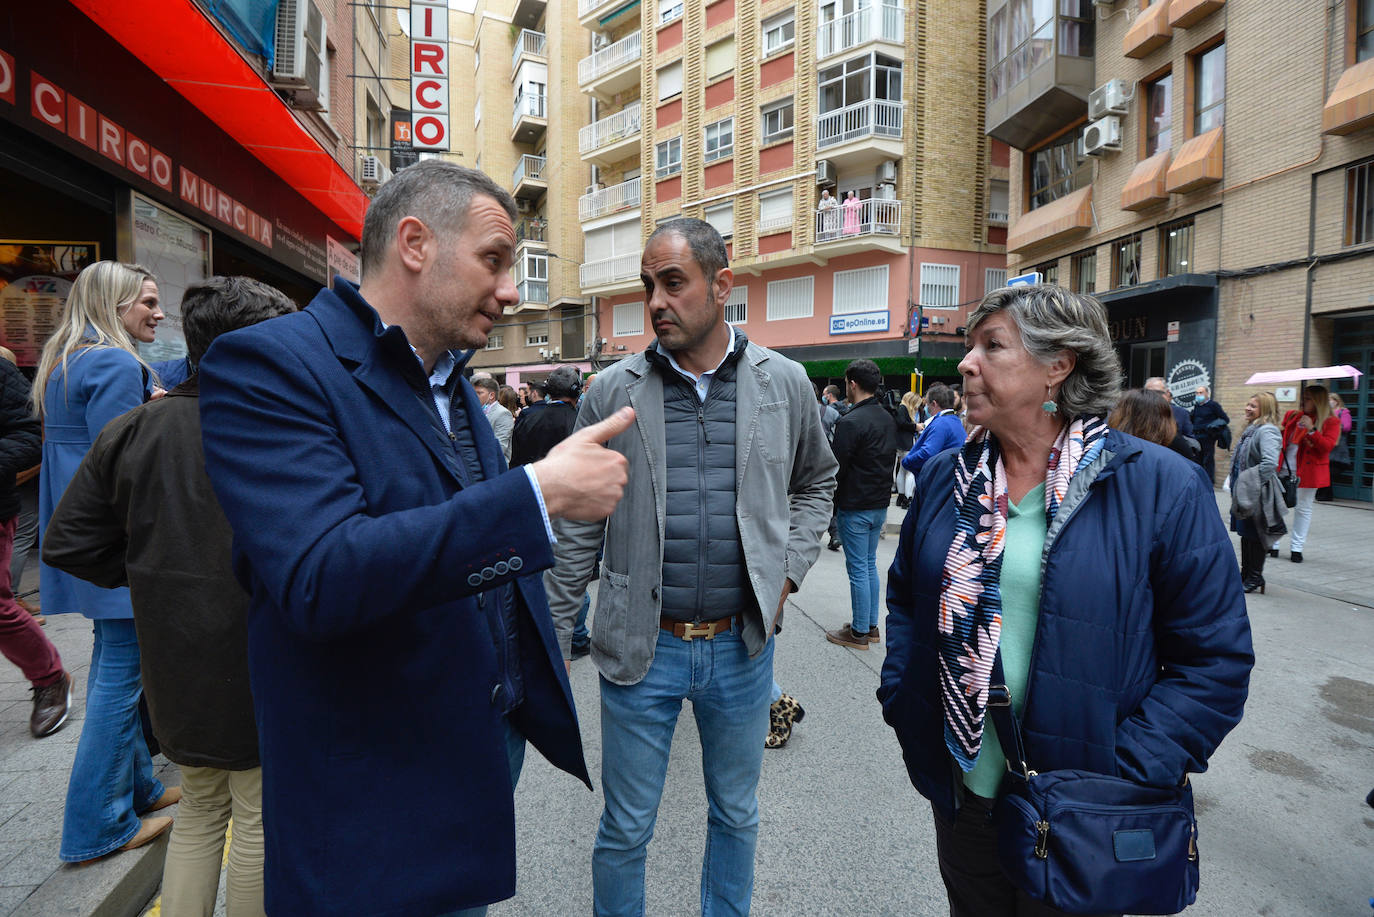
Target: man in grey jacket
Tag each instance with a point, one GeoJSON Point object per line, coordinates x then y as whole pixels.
{"type": "Point", "coordinates": [730, 483]}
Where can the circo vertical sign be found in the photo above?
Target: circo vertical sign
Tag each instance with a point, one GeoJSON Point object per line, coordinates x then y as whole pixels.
{"type": "Point", "coordinates": [429, 70]}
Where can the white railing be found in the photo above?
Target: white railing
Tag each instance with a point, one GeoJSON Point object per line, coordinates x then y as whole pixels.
{"type": "Point", "coordinates": [587, 7]}
{"type": "Point", "coordinates": [529, 166]}
{"type": "Point", "coordinates": [528, 42]}
{"type": "Point", "coordinates": [529, 105]}
{"type": "Point", "coordinates": [775, 224]}
{"type": "Point", "coordinates": [998, 216]}
{"type": "Point", "coordinates": [534, 291]}
{"type": "Point", "coordinates": [875, 216]}
{"type": "Point", "coordinates": [876, 117]}
{"type": "Point", "coordinates": [874, 22]}
{"type": "Point", "coordinates": [610, 270]}
{"type": "Point", "coordinates": [623, 196]}
{"type": "Point", "coordinates": [612, 57]}
{"type": "Point", "coordinates": [622, 124]}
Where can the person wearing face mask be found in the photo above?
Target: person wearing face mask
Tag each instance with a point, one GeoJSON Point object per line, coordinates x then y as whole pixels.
{"type": "Point", "coordinates": [89, 374]}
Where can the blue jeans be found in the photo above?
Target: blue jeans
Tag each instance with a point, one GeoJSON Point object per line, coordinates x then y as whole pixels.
{"type": "Point", "coordinates": [859, 530]}
{"type": "Point", "coordinates": [581, 638]}
{"type": "Point", "coordinates": [730, 697]}
{"type": "Point", "coordinates": [515, 755]}
{"type": "Point", "coordinates": [112, 777]}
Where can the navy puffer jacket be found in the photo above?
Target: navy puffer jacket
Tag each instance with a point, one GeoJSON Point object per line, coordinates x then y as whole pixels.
{"type": "Point", "coordinates": [1142, 648]}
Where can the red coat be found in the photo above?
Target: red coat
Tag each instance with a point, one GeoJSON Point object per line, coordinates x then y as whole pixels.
{"type": "Point", "coordinates": [1314, 448]}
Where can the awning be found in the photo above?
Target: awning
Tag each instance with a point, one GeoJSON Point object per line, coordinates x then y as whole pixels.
{"type": "Point", "coordinates": [1351, 105]}
{"type": "Point", "coordinates": [1344, 371]}
{"type": "Point", "coordinates": [182, 46]}
{"type": "Point", "coordinates": [1070, 214]}
{"type": "Point", "coordinates": [1184, 14]}
{"type": "Point", "coordinates": [1199, 163]}
{"type": "Point", "coordinates": [1151, 30]}
{"type": "Point", "coordinates": [1146, 185]}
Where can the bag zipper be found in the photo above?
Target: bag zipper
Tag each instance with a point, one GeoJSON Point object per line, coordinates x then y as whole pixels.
{"type": "Point", "coordinates": [1042, 841]}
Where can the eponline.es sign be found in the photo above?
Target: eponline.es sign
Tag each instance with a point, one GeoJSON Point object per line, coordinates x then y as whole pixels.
{"type": "Point", "coordinates": [429, 69]}
{"type": "Point", "coordinates": [858, 323]}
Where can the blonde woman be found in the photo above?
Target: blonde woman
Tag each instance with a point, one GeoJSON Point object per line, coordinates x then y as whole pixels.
{"type": "Point", "coordinates": [89, 374]}
{"type": "Point", "coordinates": [908, 425]}
{"type": "Point", "coordinates": [1259, 445]}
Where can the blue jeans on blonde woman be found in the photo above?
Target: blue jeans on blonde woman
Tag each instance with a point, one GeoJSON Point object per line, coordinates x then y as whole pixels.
{"type": "Point", "coordinates": [112, 778]}
{"type": "Point", "coordinates": [859, 529]}
{"type": "Point", "coordinates": [730, 696]}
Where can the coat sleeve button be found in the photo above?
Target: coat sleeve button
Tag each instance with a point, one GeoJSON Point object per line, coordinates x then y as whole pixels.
{"type": "Point", "coordinates": [475, 579]}
{"type": "Point", "coordinates": [488, 573]}
{"type": "Point", "coordinates": [516, 563]}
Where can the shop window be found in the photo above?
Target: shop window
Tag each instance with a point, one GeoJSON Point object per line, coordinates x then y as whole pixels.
{"type": "Point", "coordinates": [1049, 272]}
{"type": "Point", "coordinates": [1209, 89]}
{"type": "Point", "coordinates": [1126, 261]}
{"type": "Point", "coordinates": [737, 306]}
{"type": "Point", "coordinates": [628, 319]}
{"type": "Point", "coordinates": [861, 290]}
{"type": "Point", "coordinates": [940, 286]}
{"type": "Point", "coordinates": [1085, 272]}
{"type": "Point", "coordinates": [777, 121]}
{"type": "Point", "coordinates": [1359, 204]}
{"type": "Point", "coordinates": [779, 32]}
{"type": "Point", "coordinates": [1058, 169]}
{"type": "Point", "coordinates": [668, 157]}
{"type": "Point", "coordinates": [1159, 114]}
{"type": "Point", "coordinates": [720, 140]}
{"type": "Point", "coordinates": [1176, 244]}
{"type": "Point", "coordinates": [794, 298]}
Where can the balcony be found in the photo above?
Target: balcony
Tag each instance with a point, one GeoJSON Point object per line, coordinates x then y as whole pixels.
{"type": "Point", "coordinates": [528, 12]}
{"type": "Point", "coordinates": [532, 231]}
{"type": "Point", "coordinates": [997, 217]}
{"type": "Point", "coordinates": [611, 275]}
{"type": "Point", "coordinates": [625, 196]}
{"type": "Point", "coordinates": [530, 118]}
{"type": "Point", "coordinates": [1040, 84]}
{"type": "Point", "coordinates": [528, 180]}
{"type": "Point", "coordinates": [612, 138]}
{"type": "Point", "coordinates": [864, 133]}
{"type": "Point", "coordinates": [604, 14]}
{"type": "Point", "coordinates": [529, 45]}
{"type": "Point", "coordinates": [873, 23]}
{"type": "Point", "coordinates": [533, 292]}
{"type": "Point", "coordinates": [612, 69]}
{"type": "Point", "coordinates": [863, 226]}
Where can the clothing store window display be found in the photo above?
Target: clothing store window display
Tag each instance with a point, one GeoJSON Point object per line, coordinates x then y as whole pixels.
{"type": "Point", "coordinates": [1309, 436]}
{"type": "Point", "coordinates": [89, 374]}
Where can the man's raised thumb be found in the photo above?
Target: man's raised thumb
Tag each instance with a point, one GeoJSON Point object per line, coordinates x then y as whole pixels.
{"type": "Point", "coordinates": [609, 428]}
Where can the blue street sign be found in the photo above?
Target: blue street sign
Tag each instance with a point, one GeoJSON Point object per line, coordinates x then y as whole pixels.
{"type": "Point", "coordinates": [1026, 279]}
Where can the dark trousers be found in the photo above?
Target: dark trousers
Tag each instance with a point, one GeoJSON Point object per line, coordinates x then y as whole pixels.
{"type": "Point", "coordinates": [22, 641]}
{"type": "Point", "coordinates": [1252, 554]}
{"type": "Point", "coordinates": [1209, 458]}
{"type": "Point", "coordinates": [973, 879]}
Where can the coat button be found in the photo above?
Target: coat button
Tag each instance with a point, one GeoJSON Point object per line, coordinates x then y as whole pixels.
{"type": "Point", "coordinates": [516, 563]}
{"type": "Point", "coordinates": [653, 593]}
{"type": "Point", "coordinates": [496, 691]}
{"type": "Point", "coordinates": [488, 573]}
{"type": "Point", "coordinates": [502, 568]}
{"type": "Point", "coordinates": [475, 579]}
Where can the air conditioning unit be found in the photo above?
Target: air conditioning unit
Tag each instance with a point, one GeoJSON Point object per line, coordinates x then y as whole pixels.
{"type": "Point", "coordinates": [374, 172]}
{"type": "Point", "coordinates": [1111, 98]}
{"type": "Point", "coordinates": [594, 187]}
{"type": "Point", "coordinates": [825, 172]}
{"type": "Point", "coordinates": [301, 63]}
{"type": "Point", "coordinates": [600, 40]}
{"type": "Point", "coordinates": [1102, 136]}
{"type": "Point", "coordinates": [524, 205]}
{"type": "Point", "coordinates": [887, 172]}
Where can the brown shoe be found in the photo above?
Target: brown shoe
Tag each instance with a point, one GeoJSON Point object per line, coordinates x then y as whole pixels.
{"type": "Point", "coordinates": [33, 612]}
{"type": "Point", "coordinates": [170, 797]}
{"type": "Point", "coordinates": [873, 636]}
{"type": "Point", "coordinates": [148, 831]}
{"type": "Point", "coordinates": [50, 706]}
{"type": "Point", "coordinates": [846, 636]}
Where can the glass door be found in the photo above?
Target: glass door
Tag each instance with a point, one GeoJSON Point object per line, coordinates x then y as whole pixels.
{"type": "Point", "coordinates": [1355, 346]}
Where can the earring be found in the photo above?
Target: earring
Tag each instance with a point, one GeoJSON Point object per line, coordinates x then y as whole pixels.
{"type": "Point", "coordinates": [1050, 406]}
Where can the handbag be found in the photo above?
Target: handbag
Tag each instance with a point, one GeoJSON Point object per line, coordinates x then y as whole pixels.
{"type": "Point", "coordinates": [1089, 843]}
{"type": "Point", "coordinates": [1288, 481]}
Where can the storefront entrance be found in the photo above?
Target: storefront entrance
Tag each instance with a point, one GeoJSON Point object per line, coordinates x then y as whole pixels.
{"type": "Point", "coordinates": [1354, 344]}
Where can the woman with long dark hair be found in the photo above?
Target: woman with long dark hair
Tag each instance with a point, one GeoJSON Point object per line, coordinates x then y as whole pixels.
{"type": "Point", "coordinates": [1309, 436]}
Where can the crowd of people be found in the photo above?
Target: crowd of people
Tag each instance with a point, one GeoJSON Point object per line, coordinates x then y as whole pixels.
{"type": "Point", "coordinates": [368, 572]}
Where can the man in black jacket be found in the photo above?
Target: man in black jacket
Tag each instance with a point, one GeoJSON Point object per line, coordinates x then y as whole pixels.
{"type": "Point", "coordinates": [22, 641]}
{"type": "Point", "coordinates": [536, 432]}
{"type": "Point", "coordinates": [1210, 426]}
{"type": "Point", "coordinates": [865, 442]}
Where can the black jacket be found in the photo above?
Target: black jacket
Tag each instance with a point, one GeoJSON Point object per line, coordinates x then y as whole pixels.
{"type": "Point", "coordinates": [21, 445]}
{"type": "Point", "coordinates": [536, 432]}
{"type": "Point", "coordinates": [865, 445]}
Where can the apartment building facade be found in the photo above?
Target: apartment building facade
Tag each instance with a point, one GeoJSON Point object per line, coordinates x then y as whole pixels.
{"type": "Point", "coordinates": [1205, 169]}
{"type": "Point", "coordinates": [764, 118]}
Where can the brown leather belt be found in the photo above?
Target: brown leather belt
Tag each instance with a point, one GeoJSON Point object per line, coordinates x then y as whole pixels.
{"type": "Point", "coordinates": [689, 630]}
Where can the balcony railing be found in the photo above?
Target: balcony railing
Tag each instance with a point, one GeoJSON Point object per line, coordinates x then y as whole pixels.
{"type": "Point", "coordinates": [622, 124]}
{"type": "Point", "coordinates": [528, 167]}
{"type": "Point", "coordinates": [876, 117]}
{"type": "Point", "coordinates": [612, 57]}
{"type": "Point", "coordinates": [873, 217]}
{"type": "Point", "coordinates": [773, 224]}
{"type": "Point", "coordinates": [998, 217]}
{"type": "Point", "coordinates": [533, 291]}
{"type": "Point", "coordinates": [610, 270]}
{"type": "Point", "coordinates": [624, 196]}
{"type": "Point", "coordinates": [529, 42]}
{"type": "Point", "coordinates": [529, 105]}
{"type": "Point", "coordinates": [874, 22]}
{"type": "Point", "coordinates": [535, 230]}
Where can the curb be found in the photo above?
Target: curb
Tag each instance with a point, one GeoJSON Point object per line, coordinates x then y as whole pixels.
{"type": "Point", "coordinates": [115, 886]}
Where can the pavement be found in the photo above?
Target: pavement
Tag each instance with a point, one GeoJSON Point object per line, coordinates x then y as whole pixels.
{"type": "Point", "coordinates": [1283, 827]}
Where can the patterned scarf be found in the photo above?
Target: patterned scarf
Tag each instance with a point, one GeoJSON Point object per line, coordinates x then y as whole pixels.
{"type": "Point", "coordinates": [970, 624]}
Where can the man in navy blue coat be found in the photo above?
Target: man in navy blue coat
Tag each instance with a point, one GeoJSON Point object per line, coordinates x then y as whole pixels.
{"type": "Point", "coordinates": [400, 645]}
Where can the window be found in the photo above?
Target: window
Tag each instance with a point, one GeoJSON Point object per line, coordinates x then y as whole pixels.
{"type": "Point", "coordinates": [668, 10]}
{"type": "Point", "coordinates": [1176, 244]}
{"type": "Point", "coordinates": [628, 319]}
{"type": "Point", "coordinates": [999, 202]}
{"type": "Point", "coordinates": [994, 278]}
{"type": "Point", "coordinates": [1021, 37]}
{"type": "Point", "coordinates": [720, 58]}
{"type": "Point", "coordinates": [775, 211]}
{"type": "Point", "coordinates": [861, 290]}
{"type": "Point", "coordinates": [860, 79]}
{"type": "Point", "coordinates": [1364, 30]}
{"type": "Point", "coordinates": [618, 240]}
{"type": "Point", "coordinates": [1159, 114]}
{"type": "Point", "coordinates": [1049, 272]}
{"type": "Point", "coordinates": [1058, 169]}
{"type": "Point", "coordinates": [795, 298]}
{"type": "Point", "coordinates": [779, 32]}
{"type": "Point", "coordinates": [777, 121]}
{"type": "Point", "coordinates": [1126, 261]}
{"type": "Point", "coordinates": [722, 218]}
{"type": "Point", "coordinates": [737, 306]}
{"type": "Point", "coordinates": [670, 81]}
{"type": "Point", "coordinates": [720, 140]}
{"type": "Point", "coordinates": [536, 266]}
{"type": "Point", "coordinates": [536, 335]}
{"type": "Point", "coordinates": [940, 285]}
{"type": "Point", "coordinates": [495, 341]}
{"type": "Point", "coordinates": [477, 111]}
{"type": "Point", "coordinates": [1085, 272]}
{"type": "Point", "coordinates": [1209, 89]}
{"type": "Point", "coordinates": [1359, 204]}
{"type": "Point", "coordinates": [668, 157]}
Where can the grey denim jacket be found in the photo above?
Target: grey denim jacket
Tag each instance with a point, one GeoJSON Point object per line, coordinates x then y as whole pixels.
{"type": "Point", "coordinates": [785, 480]}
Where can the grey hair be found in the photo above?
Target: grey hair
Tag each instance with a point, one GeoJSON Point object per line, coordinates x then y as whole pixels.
{"type": "Point", "coordinates": [436, 192]}
{"type": "Point", "coordinates": [708, 248]}
{"type": "Point", "coordinates": [1051, 320]}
